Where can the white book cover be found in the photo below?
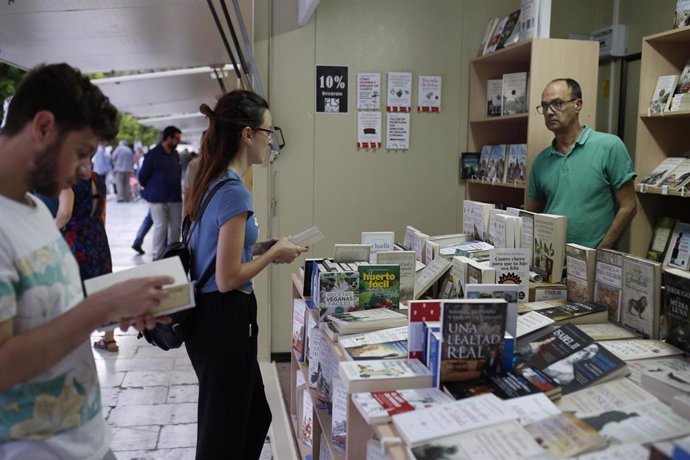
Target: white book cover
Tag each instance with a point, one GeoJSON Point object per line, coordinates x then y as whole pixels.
{"type": "Point", "coordinates": [377, 375]}
{"type": "Point", "coordinates": [299, 309]}
{"type": "Point", "coordinates": [480, 217]}
{"type": "Point", "coordinates": [339, 416]}
{"type": "Point", "coordinates": [504, 441]}
{"type": "Point", "coordinates": [409, 235]}
{"type": "Point", "coordinates": [527, 234]}
{"type": "Point", "coordinates": [459, 416]}
{"type": "Point", "coordinates": [180, 292]}
{"type": "Point", "coordinates": [644, 424]}
{"type": "Point", "coordinates": [629, 350]}
{"type": "Point", "coordinates": [514, 93]}
{"type": "Point", "coordinates": [379, 406]}
{"type": "Point", "coordinates": [406, 260]}
{"type": "Point", "coordinates": [512, 267]}
{"type": "Point", "coordinates": [529, 19]}
{"type": "Point", "coordinates": [618, 394]}
{"type": "Point", "coordinates": [494, 93]}
{"type": "Point", "coordinates": [458, 272]}
{"type": "Point", "coordinates": [530, 322]}
{"type": "Point", "coordinates": [509, 292]}
{"type": "Point", "coordinates": [492, 225]}
{"type": "Point", "coordinates": [662, 170]}
{"type": "Point", "coordinates": [619, 452]}
{"type": "Point", "coordinates": [664, 365]}
{"type": "Point", "coordinates": [429, 275]}
{"type": "Point", "coordinates": [307, 424]}
{"type": "Point", "coordinates": [393, 334]}
{"type": "Point", "coordinates": [467, 215]}
{"type": "Point", "coordinates": [608, 281]}
{"type": "Point", "coordinates": [358, 318]}
{"type": "Point", "coordinates": [565, 435]}
{"type": "Point", "coordinates": [607, 331]}
{"type": "Point", "coordinates": [500, 230]}
{"type": "Point", "coordinates": [532, 408]}
{"type": "Point", "coordinates": [316, 339]}
{"type": "Point", "coordinates": [669, 375]}
{"type": "Point", "coordinates": [549, 246]}
{"type": "Point", "coordinates": [661, 98]}
{"type": "Point", "coordinates": [641, 295]}
{"type": "Point", "coordinates": [379, 242]}
{"type": "Point", "coordinates": [679, 176]}
{"type": "Point", "coordinates": [347, 253]}
{"type": "Point", "coordinates": [419, 246]}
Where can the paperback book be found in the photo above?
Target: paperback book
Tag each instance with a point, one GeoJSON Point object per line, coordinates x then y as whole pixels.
{"type": "Point", "coordinates": [406, 260]}
{"type": "Point", "coordinates": [660, 238]}
{"type": "Point", "coordinates": [572, 359]}
{"type": "Point", "coordinates": [339, 416]}
{"type": "Point", "coordinates": [420, 311]}
{"type": "Point", "coordinates": [677, 303]}
{"type": "Point", "coordinates": [678, 252]}
{"type": "Point", "coordinates": [348, 253]}
{"type": "Point", "coordinates": [641, 308]}
{"type": "Point", "coordinates": [381, 375]}
{"type": "Point", "coordinates": [514, 93]}
{"type": "Point", "coordinates": [379, 286]}
{"type": "Point", "coordinates": [497, 160]}
{"type": "Point", "coordinates": [661, 99]}
{"type": "Point", "coordinates": [576, 313]}
{"type": "Point", "coordinates": [629, 350]}
{"type": "Point", "coordinates": [508, 292]}
{"type": "Point", "coordinates": [381, 344]}
{"type": "Point", "coordinates": [367, 320]}
{"type": "Point", "coordinates": [608, 281]}
{"type": "Point", "coordinates": [661, 171]}
{"type": "Point", "coordinates": [517, 163]}
{"type": "Point", "coordinates": [469, 165]}
{"type": "Point", "coordinates": [379, 242]}
{"type": "Point", "coordinates": [429, 275]}
{"type": "Point", "coordinates": [607, 331]}
{"type": "Point", "coordinates": [581, 264]}
{"type": "Point", "coordinates": [494, 95]}
{"type": "Point", "coordinates": [419, 427]}
{"type": "Point", "coordinates": [549, 246]}
{"type": "Point", "coordinates": [565, 435]}
{"type": "Point", "coordinates": [379, 406]}
{"type": "Point", "coordinates": [472, 338]}
{"type": "Point", "coordinates": [512, 268]}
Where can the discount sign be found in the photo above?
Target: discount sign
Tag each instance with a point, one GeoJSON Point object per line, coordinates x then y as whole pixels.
{"type": "Point", "coordinates": [331, 89]}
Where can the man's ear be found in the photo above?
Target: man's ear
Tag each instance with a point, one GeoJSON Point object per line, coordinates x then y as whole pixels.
{"type": "Point", "coordinates": [43, 127]}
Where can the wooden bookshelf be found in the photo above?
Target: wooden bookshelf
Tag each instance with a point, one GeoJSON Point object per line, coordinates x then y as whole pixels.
{"type": "Point", "coordinates": [544, 60]}
{"type": "Point", "coordinates": [658, 136]}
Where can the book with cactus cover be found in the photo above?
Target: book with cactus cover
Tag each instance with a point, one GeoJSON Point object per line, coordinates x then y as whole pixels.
{"type": "Point", "coordinates": [549, 246]}
{"type": "Point", "coordinates": [379, 286]}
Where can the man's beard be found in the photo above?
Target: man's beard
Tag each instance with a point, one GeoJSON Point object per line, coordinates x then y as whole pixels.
{"type": "Point", "coordinates": [43, 178]}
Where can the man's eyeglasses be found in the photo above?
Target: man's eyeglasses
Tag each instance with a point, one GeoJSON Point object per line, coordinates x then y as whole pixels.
{"type": "Point", "coordinates": [269, 131]}
{"type": "Point", "coordinates": [556, 105]}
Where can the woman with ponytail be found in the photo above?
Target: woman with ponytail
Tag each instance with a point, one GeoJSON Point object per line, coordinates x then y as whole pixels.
{"type": "Point", "coordinates": [233, 415]}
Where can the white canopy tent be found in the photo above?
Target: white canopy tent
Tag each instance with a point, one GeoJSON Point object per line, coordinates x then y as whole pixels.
{"type": "Point", "coordinates": [168, 48]}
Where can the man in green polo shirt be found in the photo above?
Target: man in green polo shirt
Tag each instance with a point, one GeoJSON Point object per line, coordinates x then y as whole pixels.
{"type": "Point", "coordinates": [584, 174]}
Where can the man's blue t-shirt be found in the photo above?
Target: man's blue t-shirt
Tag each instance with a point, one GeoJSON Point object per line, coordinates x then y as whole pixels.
{"type": "Point", "coordinates": [231, 199]}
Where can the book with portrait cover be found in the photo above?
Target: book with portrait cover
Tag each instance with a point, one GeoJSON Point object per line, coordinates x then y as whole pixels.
{"type": "Point", "coordinates": [572, 359]}
{"type": "Point", "coordinates": [472, 338]}
{"type": "Point", "coordinates": [379, 286]}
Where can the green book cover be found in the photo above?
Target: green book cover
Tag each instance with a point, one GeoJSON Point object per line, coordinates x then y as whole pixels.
{"type": "Point", "coordinates": [379, 286]}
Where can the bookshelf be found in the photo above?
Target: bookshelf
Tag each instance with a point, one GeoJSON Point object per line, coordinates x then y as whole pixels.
{"type": "Point", "coordinates": [544, 60]}
{"type": "Point", "coordinates": [658, 136]}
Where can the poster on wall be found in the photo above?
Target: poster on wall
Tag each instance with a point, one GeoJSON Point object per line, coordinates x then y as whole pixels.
{"type": "Point", "coordinates": [399, 92]}
{"type": "Point", "coordinates": [398, 131]}
{"type": "Point", "coordinates": [331, 89]}
{"type": "Point", "coordinates": [429, 94]}
{"type": "Point", "coordinates": [368, 130]}
{"type": "Point", "coordinates": [368, 91]}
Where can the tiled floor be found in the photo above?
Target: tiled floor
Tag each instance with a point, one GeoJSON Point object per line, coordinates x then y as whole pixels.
{"type": "Point", "coordinates": [149, 395]}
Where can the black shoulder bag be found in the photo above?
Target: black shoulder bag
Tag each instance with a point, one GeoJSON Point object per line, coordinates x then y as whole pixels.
{"type": "Point", "coordinates": [168, 336]}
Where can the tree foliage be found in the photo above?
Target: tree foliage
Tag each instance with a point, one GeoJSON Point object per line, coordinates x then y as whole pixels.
{"type": "Point", "coordinates": [130, 128]}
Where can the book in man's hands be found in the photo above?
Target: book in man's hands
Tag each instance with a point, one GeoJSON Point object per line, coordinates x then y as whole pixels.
{"type": "Point", "coordinates": [180, 292]}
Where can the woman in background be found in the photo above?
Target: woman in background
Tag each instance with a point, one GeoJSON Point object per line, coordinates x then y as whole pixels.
{"type": "Point", "coordinates": [234, 416]}
{"type": "Point", "coordinates": [81, 219]}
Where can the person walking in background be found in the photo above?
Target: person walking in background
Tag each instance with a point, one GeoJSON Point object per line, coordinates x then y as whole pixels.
{"type": "Point", "coordinates": [101, 163]}
{"type": "Point", "coordinates": [81, 219]}
{"type": "Point", "coordinates": [123, 167]}
{"type": "Point", "coordinates": [49, 387]}
{"type": "Point", "coordinates": [144, 228]}
{"type": "Point", "coordinates": [222, 339]}
{"type": "Point", "coordinates": [161, 178]}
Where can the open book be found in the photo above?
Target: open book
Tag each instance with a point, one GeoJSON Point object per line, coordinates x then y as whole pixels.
{"type": "Point", "coordinates": [180, 292]}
